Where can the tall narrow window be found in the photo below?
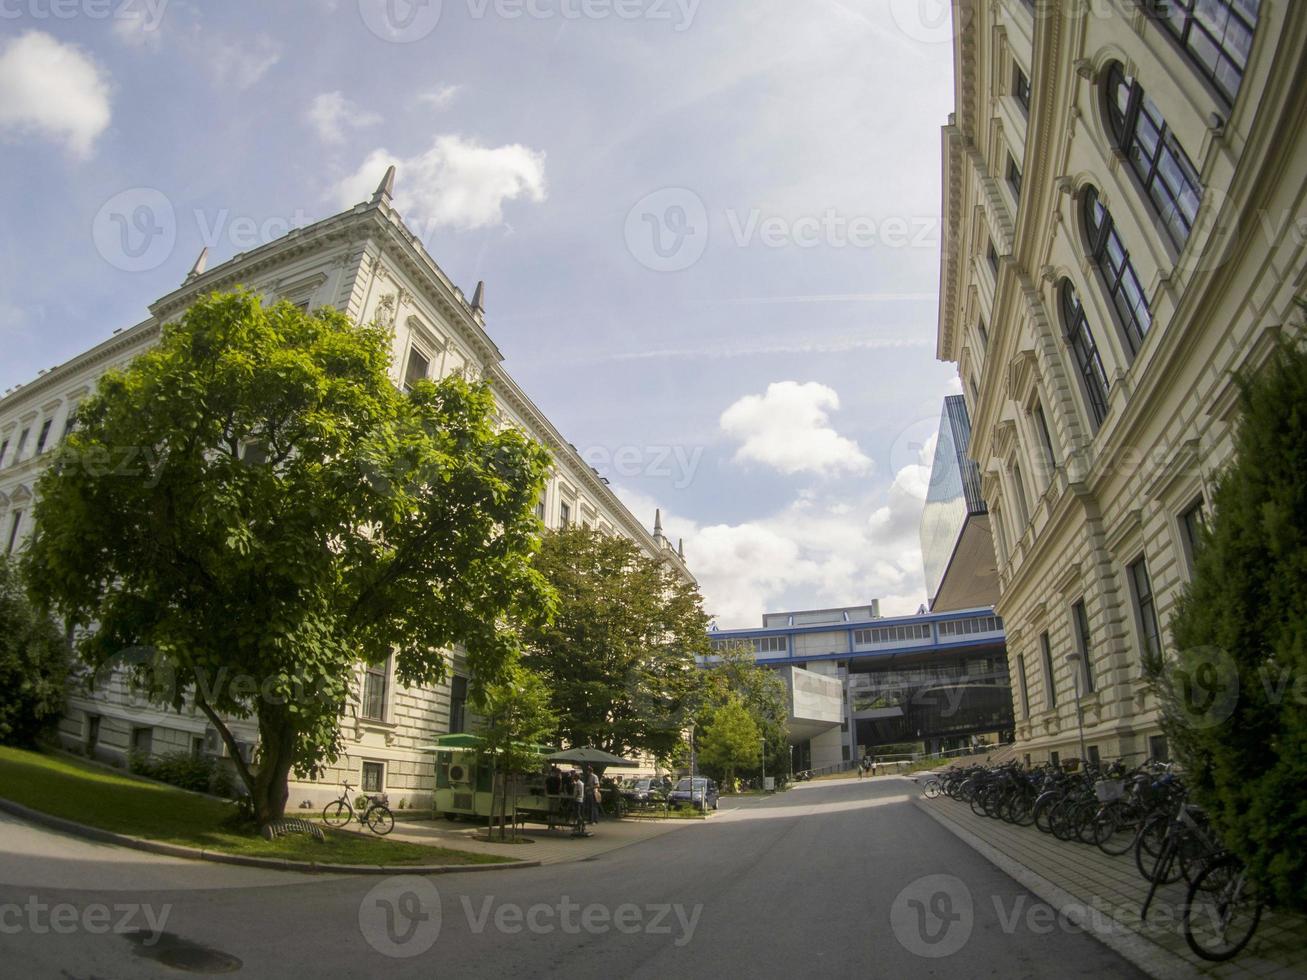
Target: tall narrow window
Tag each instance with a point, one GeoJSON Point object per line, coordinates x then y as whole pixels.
{"type": "Point", "coordinates": [1024, 691]}
{"type": "Point", "coordinates": [1045, 438]}
{"type": "Point", "coordinates": [1216, 34]}
{"type": "Point", "coordinates": [1000, 536]}
{"type": "Point", "coordinates": [1021, 87]}
{"type": "Point", "coordinates": [374, 777]}
{"type": "Point", "coordinates": [1084, 643]}
{"type": "Point", "coordinates": [457, 704]}
{"type": "Point", "coordinates": [22, 444]}
{"type": "Point", "coordinates": [417, 369]}
{"type": "Point", "coordinates": [991, 255]}
{"type": "Point", "coordinates": [1141, 589]}
{"type": "Point", "coordinates": [1089, 364]}
{"type": "Point", "coordinates": [43, 436]}
{"type": "Point", "coordinates": [1118, 271]}
{"type": "Point", "coordinates": [564, 515]}
{"type": "Point", "coordinates": [984, 334]}
{"type": "Point", "coordinates": [4, 448]}
{"type": "Point", "coordinates": [1169, 178]}
{"type": "Point", "coordinates": [1192, 522]}
{"type": "Point", "coordinates": [374, 691]}
{"type": "Point", "coordinates": [14, 524]}
{"type": "Point", "coordinates": [1014, 177]}
{"type": "Point", "coordinates": [1047, 650]}
{"type": "Point", "coordinates": [1023, 503]}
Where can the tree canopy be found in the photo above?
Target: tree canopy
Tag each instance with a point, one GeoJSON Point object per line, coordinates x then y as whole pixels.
{"type": "Point", "coordinates": [619, 655]}
{"type": "Point", "coordinates": [1234, 695]}
{"type": "Point", "coordinates": [731, 740]}
{"type": "Point", "coordinates": [251, 508]}
{"type": "Point", "coordinates": [735, 674]}
{"type": "Point", "coordinates": [34, 662]}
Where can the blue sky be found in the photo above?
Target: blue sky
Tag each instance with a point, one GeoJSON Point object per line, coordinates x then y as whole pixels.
{"type": "Point", "coordinates": [709, 231]}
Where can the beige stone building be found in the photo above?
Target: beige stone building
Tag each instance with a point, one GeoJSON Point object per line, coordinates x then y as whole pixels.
{"type": "Point", "coordinates": [368, 264]}
{"type": "Point", "coordinates": [1124, 228]}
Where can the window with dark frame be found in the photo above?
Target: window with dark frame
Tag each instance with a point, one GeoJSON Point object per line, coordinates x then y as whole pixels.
{"type": "Point", "coordinates": [1021, 679]}
{"type": "Point", "coordinates": [1192, 523]}
{"type": "Point", "coordinates": [564, 515]}
{"type": "Point", "coordinates": [984, 334]}
{"type": "Point", "coordinates": [1023, 503]}
{"type": "Point", "coordinates": [13, 532]}
{"type": "Point", "coordinates": [1046, 649]}
{"type": "Point", "coordinates": [1084, 644]}
{"type": "Point", "coordinates": [417, 369]}
{"type": "Point", "coordinates": [1045, 437]}
{"type": "Point", "coordinates": [43, 436]}
{"type": "Point", "coordinates": [991, 254]}
{"type": "Point", "coordinates": [1014, 176]}
{"type": "Point", "coordinates": [1217, 35]}
{"type": "Point", "coordinates": [1141, 589]}
{"type": "Point", "coordinates": [1169, 178]}
{"type": "Point", "coordinates": [373, 777]}
{"type": "Point", "coordinates": [22, 444]}
{"type": "Point", "coordinates": [1119, 276]}
{"type": "Point", "coordinates": [374, 691]}
{"type": "Point", "coordinates": [457, 704]}
{"type": "Point", "coordinates": [1089, 363]}
{"type": "Point", "coordinates": [4, 448]}
{"type": "Point", "coordinates": [1021, 86]}
{"type": "Point", "coordinates": [1159, 749]}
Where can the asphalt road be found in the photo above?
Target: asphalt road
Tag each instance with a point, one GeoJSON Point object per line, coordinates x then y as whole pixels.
{"type": "Point", "coordinates": [837, 880]}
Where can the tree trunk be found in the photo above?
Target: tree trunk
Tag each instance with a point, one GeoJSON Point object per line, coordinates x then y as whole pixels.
{"type": "Point", "coordinates": [271, 787]}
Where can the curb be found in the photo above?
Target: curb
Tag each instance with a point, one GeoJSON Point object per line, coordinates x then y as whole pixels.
{"type": "Point", "coordinates": [219, 857]}
{"type": "Point", "coordinates": [1141, 952]}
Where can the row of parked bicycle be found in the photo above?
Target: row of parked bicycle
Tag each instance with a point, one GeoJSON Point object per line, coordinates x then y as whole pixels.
{"type": "Point", "coordinates": [1119, 810]}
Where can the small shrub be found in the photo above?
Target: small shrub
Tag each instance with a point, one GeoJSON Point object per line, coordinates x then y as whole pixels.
{"type": "Point", "coordinates": [175, 768]}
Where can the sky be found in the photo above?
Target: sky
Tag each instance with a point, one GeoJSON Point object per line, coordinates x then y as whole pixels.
{"type": "Point", "coordinates": [709, 231]}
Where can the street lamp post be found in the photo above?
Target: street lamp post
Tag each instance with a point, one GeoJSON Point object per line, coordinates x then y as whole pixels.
{"type": "Point", "coordinates": [763, 742]}
{"type": "Point", "coordinates": [1074, 660]}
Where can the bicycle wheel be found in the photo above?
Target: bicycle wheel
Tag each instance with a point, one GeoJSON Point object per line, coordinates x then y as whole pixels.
{"type": "Point", "coordinates": [1149, 843]}
{"type": "Point", "coordinates": [1161, 870]}
{"type": "Point", "coordinates": [1082, 818]}
{"type": "Point", "coordinates": [1116, 830]}
{"type": "Point", "coordinates": [337, 814]}
{"type": "Point", "coordinates": [932, 789]}
{"type": "Point", "coordinates": [379, 820]}
{"type": "Point", "coordinates": [1222, 911]}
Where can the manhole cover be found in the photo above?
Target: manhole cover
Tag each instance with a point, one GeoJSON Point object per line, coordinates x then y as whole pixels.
{"type": "Point", "coordinates": [181, 954]}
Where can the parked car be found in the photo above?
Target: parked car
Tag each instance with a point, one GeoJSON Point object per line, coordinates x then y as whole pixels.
{"type": "Point", "coordinates": [643, 791]}
{"type": "Point", "coordinates": [704, 794]}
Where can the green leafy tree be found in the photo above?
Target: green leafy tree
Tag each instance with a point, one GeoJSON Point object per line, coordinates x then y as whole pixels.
{"type": "Point", "coordinates": [736, 674]}
{"type": "Point", "coordinates": [515, 720]}
{"type": "Point", "coordinates": [619, 653]}
{"type": "Point", "coordinates": [731, 740]}
{"type": "Point", "coordinates": [251, 508]}
{"type": "Point", "coordinates": [1233, 691]}
{"type": "Point", "coordinates": [34, 662]}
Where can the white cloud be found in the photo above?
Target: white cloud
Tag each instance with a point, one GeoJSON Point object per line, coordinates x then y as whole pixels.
{"type": "Point", "coordinates": [442, 97]}
{"type": "Point", "coordinates": [819, 551]}
{"type": "Point", "coordinates": [331, 114]}
{"type": "Point", "coordinates": [53, 90]}
{"type": "Point", "coordinates": [457, 183]}
{"type": "Point", "coordinates": [789, 430]}
{"type": "Point", "coordinates": [241, 62]}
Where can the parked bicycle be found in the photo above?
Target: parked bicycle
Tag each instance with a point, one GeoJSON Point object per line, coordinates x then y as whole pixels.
{"type": "Point", "coordinates": [373, 814]}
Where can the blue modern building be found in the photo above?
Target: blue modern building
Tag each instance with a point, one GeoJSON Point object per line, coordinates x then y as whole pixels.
{"type": "Point", "coordinates": [859, 681]}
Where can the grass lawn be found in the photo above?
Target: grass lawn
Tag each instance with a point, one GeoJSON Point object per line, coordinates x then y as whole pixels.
{"type": "Point", "coordinates": [65, 787]}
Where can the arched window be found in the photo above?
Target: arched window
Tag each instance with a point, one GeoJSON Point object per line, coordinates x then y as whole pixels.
{"type": "Point", "coordinates": [1113, 260]}
{"type": "Point", "coordinates": [1169, 178]}
{"type": "Point", "coordinates": [1089, 363]}
{"type": "Point", "coordinates": [1216, 34]}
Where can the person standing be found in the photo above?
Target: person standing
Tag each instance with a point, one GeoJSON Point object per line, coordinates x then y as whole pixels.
{"type": "Point", "coordinates": [592, 793]}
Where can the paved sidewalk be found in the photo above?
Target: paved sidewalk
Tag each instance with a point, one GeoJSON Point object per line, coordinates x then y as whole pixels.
{"type": "Point", "coordinates": [548, 847]}
{"type": "Point", "coordinates": [1071, 875]}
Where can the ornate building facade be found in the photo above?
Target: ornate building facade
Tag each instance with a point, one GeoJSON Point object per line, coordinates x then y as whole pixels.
{"type": "Point", "coordinates": [366, 263]}
{"type": "Point", "coordinates": [1124, 229]}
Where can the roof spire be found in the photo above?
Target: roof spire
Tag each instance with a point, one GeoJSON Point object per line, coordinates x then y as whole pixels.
{"type": "Point", "coordinates": [386, 189]}
{"type": "Point", "coordinates": [680, 548]}
{"type": "Point", "coordinates": [658, 523]}
{"type": "Point", "coordinates": [479, 297]}
{"type": "Point", "coordinates": [201, 261]}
